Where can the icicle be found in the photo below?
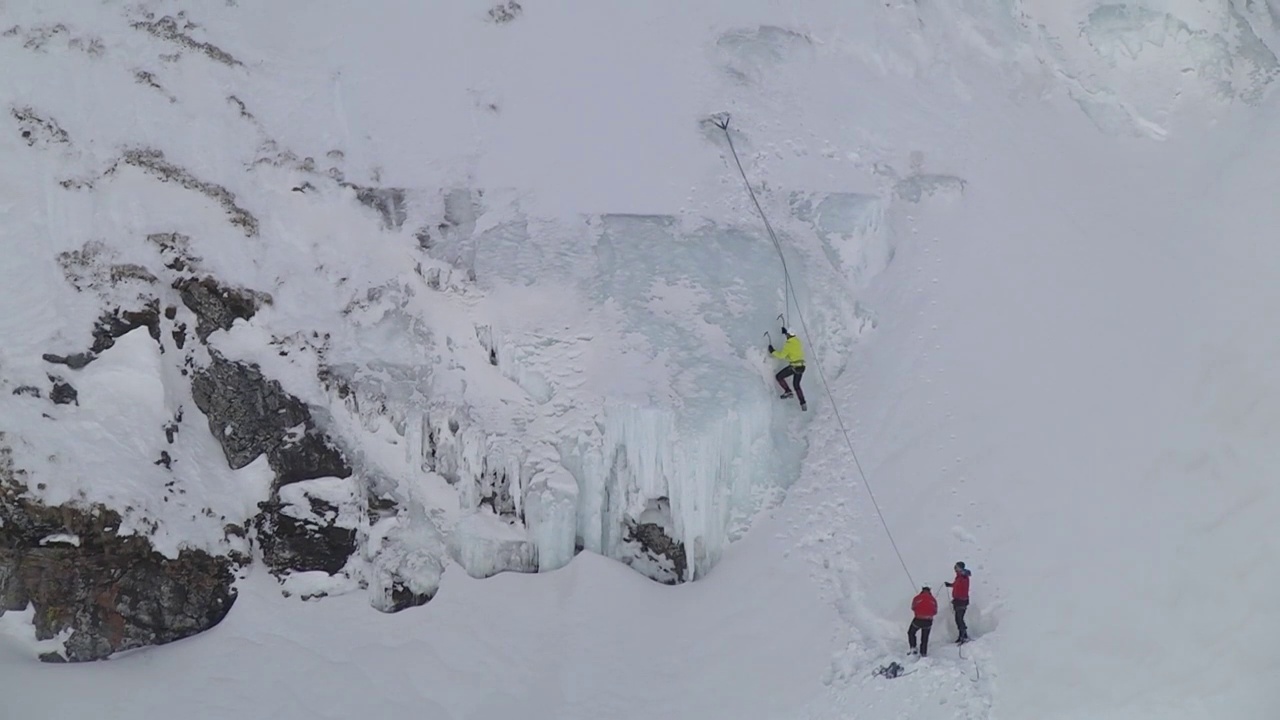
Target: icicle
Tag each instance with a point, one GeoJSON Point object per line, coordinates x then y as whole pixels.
{"type": "Point", "coordinates": [551, 509]}
{"type": "Point", "coordinates": [649, 471]}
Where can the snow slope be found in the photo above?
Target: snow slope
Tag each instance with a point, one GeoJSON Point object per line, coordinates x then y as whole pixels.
{"type": "Point", "coordinates": [1030, 245]}
{"type": "Point", "coordinates": [576, 643]}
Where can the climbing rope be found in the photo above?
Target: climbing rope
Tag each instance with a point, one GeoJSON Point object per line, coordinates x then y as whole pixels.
{"type": "Point", "coordinates": [722, 122]}
{"type": "Point", "coordinates": [788, 294]}
{"type": "Point", "coordinates": [977, 670]}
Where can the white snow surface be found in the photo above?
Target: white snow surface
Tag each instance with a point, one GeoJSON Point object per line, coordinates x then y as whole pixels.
{"type": "Point", "coordinates": [1031, 243]}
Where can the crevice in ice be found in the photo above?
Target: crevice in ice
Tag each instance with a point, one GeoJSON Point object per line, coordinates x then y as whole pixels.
{"type": "Point", "coordinates": [484, 334]}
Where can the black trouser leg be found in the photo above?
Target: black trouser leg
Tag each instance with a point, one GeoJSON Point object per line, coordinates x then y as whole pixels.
{"type": "Point", "coordinates": [923, 626]}
{"type": "Point", "coordinates": [799, 393]}
{"type": "Point", "coordinates": [961, 606]}
{"type": "Point", "coordinates": [782, 376]}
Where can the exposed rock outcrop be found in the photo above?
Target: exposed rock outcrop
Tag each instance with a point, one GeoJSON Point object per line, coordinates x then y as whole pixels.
{"type": "Point", "coordinates": [63, 393]}
{"type": "Point", "coordinates": [121, 598]}
{"type": "Point", "coordinates": [251, 415]}
{"type": "Point", "coordinates": [100, 592]}
{"type": "Point", "coordinates": [115, 325]}
{"type": "Point", "coordinates": [307, 455]}
{"type": "Point", "coordinates": [310, 526]}
{"type": "Point", "coordinates": [154, 163]}
{"type": "Point", "coordinates": [388, 202]}
{"type": "Point", "coordinates": [402, 597]}
{"type": "Point", "coordinates": [216, 306]}
{"type": "Point", "coordinates": [665, 556]}
{"type": "Point", "coordinates": [109, 328]}
{"type": "Point", "coordinates": [652, 549]}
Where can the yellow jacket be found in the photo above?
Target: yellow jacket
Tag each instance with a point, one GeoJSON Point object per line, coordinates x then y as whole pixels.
{"type": "Point", "coordinates": [791, 352]}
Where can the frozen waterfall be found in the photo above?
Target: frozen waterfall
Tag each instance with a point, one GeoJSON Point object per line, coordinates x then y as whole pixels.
{"type": "Point", "coordinates": [617, 397]}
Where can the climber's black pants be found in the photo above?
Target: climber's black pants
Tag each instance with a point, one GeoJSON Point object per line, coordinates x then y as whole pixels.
{"type": "Point", "coordinates": [923, 626]}
{"type": "Point", "coordinates": [960, 607]}
{"type": "Point", "coordinates": [791, 371]}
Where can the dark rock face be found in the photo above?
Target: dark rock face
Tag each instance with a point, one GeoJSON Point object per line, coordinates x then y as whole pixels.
{"type": "Point", "coordinates": [248, 414]}
{"type": "Point", "coordinates": [251, 415]}
{"type": "Point", "coordinates": [75, 361]}
{"type": "Point", "coordinates": [306, 543]}
{"type": "Point", "coordinates": [175, 249]}
{"type": "Point", "coordinates": [115, 597]}
{"type": "Point", "coordinates": [388, 202]}
{"type": "Point", "coordinates": [308, 457]}
{"type": "Point", "coordinates": [113, 326]}
{"type": "Point", "coordinates": [495, 491]}
{"type": "Point", "coordinates": [402, 598]}
{"type": "Point", "coordinates": [505, 13]}
{"type": "Point", "coordinates": [109, 328]}
{"type": "Point", "coordinates": [111, 593]}
{"type": "Point", "coordinates": [654, 541]}
{"type": "Point", "coordinates": [217, 307]}
{"type": "Point", "coordinates": [25, 522]}
{"type": "Point", "coordinates": [63, 393]}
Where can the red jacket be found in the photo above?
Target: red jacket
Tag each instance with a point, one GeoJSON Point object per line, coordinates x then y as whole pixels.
{"type": "Point", "coordinates": [960, 586]}
{"type": "Point", "coordinates": [924, 606]}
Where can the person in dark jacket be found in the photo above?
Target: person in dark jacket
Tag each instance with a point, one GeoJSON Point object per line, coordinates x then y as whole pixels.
{"type": "Point", "coordinates": [924, 607]}
{"type": "Point", "coordinates": [960, 599]}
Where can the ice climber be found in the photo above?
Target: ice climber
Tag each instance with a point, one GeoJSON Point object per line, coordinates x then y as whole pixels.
{"type": "Point", "coordinates": [925, 607]}
{"type": "Point", "coordinates": [960, 599]}
{"type": "Point", "coordinates": [794, 355]}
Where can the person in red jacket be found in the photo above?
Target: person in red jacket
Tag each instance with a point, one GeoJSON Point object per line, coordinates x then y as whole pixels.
{"type": "Point", "coordinates": [925, 607]}
{"type": "Point", "coordinates": [960, 599]}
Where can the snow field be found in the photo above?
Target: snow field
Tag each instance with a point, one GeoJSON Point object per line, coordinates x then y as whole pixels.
{"type": "Point", "coordinates": [1048, 334]}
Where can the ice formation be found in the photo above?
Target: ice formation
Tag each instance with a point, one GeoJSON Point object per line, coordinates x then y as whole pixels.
{"type": "Point", "coordinates": [853, 230]}
{"type": "Point", "coordinates": [649, 431]}
{"type": "Point", "coordinates": [1143, 66]}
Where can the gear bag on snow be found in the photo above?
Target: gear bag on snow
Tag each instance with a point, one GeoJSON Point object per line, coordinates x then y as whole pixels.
{"type": "Point", "coordinates": [890, 671]}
